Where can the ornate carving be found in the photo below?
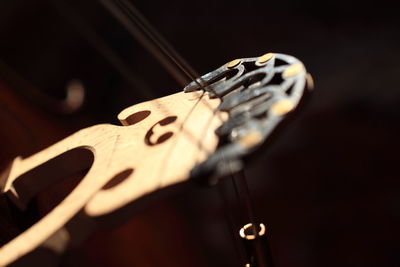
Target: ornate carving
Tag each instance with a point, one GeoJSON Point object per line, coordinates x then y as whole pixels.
{"type": "Point", "coordinates": [258, 94]}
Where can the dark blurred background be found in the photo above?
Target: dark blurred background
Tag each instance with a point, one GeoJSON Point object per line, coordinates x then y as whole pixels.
{"type": "Point", "coordinates": [327, 189]}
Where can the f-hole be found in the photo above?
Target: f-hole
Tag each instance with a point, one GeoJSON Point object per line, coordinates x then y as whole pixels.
{"type": "Point", "coordinates": [44, 187]}
{"type": "Point", "coordinates": [161, 138]}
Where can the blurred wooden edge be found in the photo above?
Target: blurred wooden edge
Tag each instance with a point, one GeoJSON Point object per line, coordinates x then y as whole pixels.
{"type": "Point", "coordinates": [160, 142]}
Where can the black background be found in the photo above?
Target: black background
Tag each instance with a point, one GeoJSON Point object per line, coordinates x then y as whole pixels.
{"type": "Point", "coordinates": [327, 189]}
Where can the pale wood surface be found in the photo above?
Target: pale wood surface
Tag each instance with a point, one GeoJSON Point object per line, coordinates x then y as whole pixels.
{"type": "Point", "coordinates": [139, 167]}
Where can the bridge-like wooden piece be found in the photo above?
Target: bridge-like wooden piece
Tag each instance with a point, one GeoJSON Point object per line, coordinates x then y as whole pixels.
{"type": "Point", "coordinates": [160, 142]}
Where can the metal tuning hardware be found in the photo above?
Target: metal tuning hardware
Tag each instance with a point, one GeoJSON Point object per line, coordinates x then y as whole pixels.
{"type": "Point", "coordinates": [256, 245]}
{"type": "Point", "coordinates": [258, 94]}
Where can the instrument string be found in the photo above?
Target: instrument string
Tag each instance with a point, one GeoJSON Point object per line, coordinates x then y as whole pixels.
{"type": "Point", "coordinates": [127, 15]}
{"type": "Point", "coordinates": [98, 43]}
{"type": "Point", "coordinates": [246, 211]}
{"type": "Point", "coordinates": [245, 197]}
{"type": "Point", "coordinates": [142, 30]}
{"type": "Point", "coordinates": [231, 226]}
{"type": "Point", "coordinates": [154, 42]}
{"type": "Point", "coordinates": [159, 40]}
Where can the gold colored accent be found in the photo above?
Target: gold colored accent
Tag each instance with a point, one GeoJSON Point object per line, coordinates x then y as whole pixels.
{"type": "Point", "coordinates": [264, 58]}
{"type": "Point", "coordinates": [234, 63]}
{"type": "Point", "coordinates": [251, 139]}
{"type": "Point", "coordinates": [253, 236]}
{"type": "Point", "coordinates": [310, 82]}
{"type": "Point", "coordinates": [282, 107]}
{"type": "Point", "coordinates": [293, 70]}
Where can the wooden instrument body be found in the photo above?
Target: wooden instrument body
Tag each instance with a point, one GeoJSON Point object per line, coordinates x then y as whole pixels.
{"type": "Point", "coordinates": [201, 133]}
{"type": "Point", "coordinates": [160, 142]}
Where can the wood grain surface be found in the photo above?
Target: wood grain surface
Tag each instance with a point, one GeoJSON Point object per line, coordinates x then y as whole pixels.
{"type": "Point", "coordinates": [160, 142]}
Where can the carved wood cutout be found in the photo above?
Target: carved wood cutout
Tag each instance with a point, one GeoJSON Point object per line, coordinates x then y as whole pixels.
{"type": "Point", "coordinates": [159, 144]}
{"type": "Point", "coordinates": [163, 142]}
